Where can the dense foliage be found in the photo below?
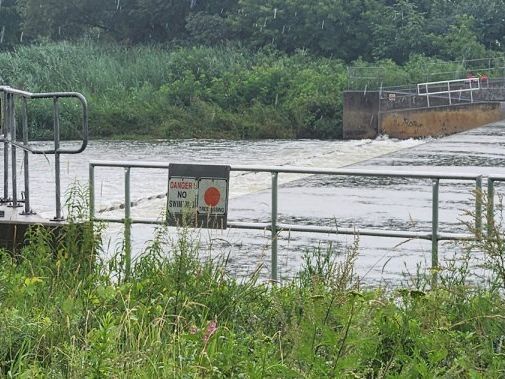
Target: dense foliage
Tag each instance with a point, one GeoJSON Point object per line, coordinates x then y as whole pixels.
{"type": "Point", "coordinates": [347, 30]}
{"type": "Point", "coordinates": [64, 313]}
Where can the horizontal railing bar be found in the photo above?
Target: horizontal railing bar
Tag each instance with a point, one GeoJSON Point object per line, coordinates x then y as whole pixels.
{"type": "Point", "coordinates": [146, 221]}
{"type": "Point", "coordinates": [358, 172]}
{"type": "Point", "coordinates": [350, 231]}
{"type": "Point", "coordinates": [447, 91]}
{"type": "Point", "coordinates": [466, 80]}
{"type": "Point", "coordinates": [265, 226]}
{"type": "Point", "coordinates": [309, 171]}
{"type": "Point", "coordinates": [131, 164]}
{"type": "Point", "coordinates": [497, 177]}
{"type": "Point", "coordinates": [31, 95]}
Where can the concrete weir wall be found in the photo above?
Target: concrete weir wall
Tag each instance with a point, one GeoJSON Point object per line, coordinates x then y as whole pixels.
{"type": "Point", "coordinates": [439, 121]}
{"type": "Point", "coordinates": [361, 114]}
{"type": "Point", "coordinates": [366, 115]}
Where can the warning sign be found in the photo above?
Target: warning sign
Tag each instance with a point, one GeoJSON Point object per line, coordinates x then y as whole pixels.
{"type": "Point", "coordinates": [212, 196]}
{"type": "Point", "coordinates": [182, 194]}
{"type": "Point", "coordinates": [198, 195]}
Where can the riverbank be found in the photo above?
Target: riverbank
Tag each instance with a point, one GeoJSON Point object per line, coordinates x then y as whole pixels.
{"type": "Point", "coordinates": [149, 92]}
{"type": "Point", "coordinates": [72, 315]}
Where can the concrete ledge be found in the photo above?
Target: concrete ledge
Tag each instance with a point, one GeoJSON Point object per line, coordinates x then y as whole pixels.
{"type": "Point", "coordinates": [13, 227]}
{"type": "Point", "coordinates": [439, 121]}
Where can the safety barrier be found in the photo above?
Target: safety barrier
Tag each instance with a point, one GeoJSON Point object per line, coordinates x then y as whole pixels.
{"type": "Point", "coordinates": [10, 140]}
{"type": "Point", "coordinates": [275, 227]}
{"type": "Point", "coordinates": [448, 87]}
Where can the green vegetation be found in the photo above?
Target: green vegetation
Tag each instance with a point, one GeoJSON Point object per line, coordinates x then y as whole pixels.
{"type": "Point", "coordinates": [199, 92]}
{"type": "Point", "coordinates": [345, 30]}
{"type": "Point", "coordinates": [234, 68]}
{"type": "Point", "coordinates": [66, 313]}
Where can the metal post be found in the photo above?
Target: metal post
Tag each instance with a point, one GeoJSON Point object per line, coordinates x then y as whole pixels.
{"type": "Point", "coordinates": [478, 207]}
{"type": "Point", "coordinates": [275, 176]}
{"type": "Point", "coordinates": [13, 128]}
{"type": "Point", "coordinates": [434, 232]}
{"type": "Point", "coordinates": [91, 192]}
{"type": "Point", "coordinates": [127, 223]}
{"type": "Point", "coordinates": [57, 178]}
{"type": "Point", "coordinates": [449, 92]}
{"type": "Point", "coordinates": [6, 131]}
{"type": "Point", "coordinates": [490, 207]}
{"type": "Point", "coordinates": [27, 210]}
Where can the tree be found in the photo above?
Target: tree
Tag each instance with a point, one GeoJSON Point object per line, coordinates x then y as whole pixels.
{"type": "Point", "coordinates": [398, 31]}
{"type": "Point", "coordinates": [10, 24]}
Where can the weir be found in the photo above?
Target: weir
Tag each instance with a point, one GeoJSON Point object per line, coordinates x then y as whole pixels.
{"type": "Point", "coordinates": [432, 108]}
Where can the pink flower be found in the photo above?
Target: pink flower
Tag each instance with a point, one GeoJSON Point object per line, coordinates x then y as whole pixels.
{"type": "Point", "coordinates": [211, 329]}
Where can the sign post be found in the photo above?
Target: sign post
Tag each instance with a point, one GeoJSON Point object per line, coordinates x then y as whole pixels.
{"type": "Point", "coordinates": [198, 195]}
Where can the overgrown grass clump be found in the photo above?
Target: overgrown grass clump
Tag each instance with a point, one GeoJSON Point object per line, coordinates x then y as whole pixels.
{"type": "Point", "coordinates": [163, 92]}
{"type": "Point", "coordinates": [66, 313]}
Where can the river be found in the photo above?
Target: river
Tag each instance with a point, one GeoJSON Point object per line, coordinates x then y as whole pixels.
{"type": "Point", "coordinates": [319, 200]}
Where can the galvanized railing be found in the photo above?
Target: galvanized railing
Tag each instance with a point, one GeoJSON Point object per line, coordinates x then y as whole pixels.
{"type": "Point", "coordinates": [275, 227]}
{"type": "Point", "coordinates": [490, 200]}
{"type": "Point", "coordinates": [448, 87]}
{"type": "Point", "coordinates": [10, 141]}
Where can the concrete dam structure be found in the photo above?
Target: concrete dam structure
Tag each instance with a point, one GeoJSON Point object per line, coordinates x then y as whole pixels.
{"type": "Point", "coordinates": [432, 109]}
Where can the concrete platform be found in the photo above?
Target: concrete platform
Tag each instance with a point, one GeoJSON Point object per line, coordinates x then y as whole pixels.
{"type": "Point", "coordinates": [14, 225]}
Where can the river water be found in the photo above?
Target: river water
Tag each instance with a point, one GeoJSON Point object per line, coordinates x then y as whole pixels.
{"type": "Point", "coordinates": [317, 200]}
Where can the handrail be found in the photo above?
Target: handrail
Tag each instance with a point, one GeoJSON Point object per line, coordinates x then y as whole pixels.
{"type": "Point", "coordinates": [449, 90]}
{"type": "Point", "coordinates": [48, 95]}
{"type": "Point", "coordinates": [275, 228]}
{"type": "Point", "coordinates": [9, 139]}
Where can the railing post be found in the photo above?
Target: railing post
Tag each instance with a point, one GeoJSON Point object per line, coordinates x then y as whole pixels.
{"type": "Point", "coordinates": [434, 232]}
{"type": "Point", "coordinates": [27, 210]}
{"type": "Point", "coordinates": [274, 236]}
{"type": "Point", "coordinates": [127, 224]}
{"type": "Point", "coordinates": [490, 207]}
{"type": "Point", "coordinates": [57, 179]}
{"type": "Point", "coordinates": [478, 207]}
{"type": "Point", "coordinates": [13, 137]}
{"type": "Point", "coordinates": [6, 132]}
{"type": "Point", "coordinates": [91, 192]}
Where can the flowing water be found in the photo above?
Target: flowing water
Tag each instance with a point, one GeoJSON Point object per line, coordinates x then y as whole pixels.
{"type": "Point", "coordinates": [317, 200]}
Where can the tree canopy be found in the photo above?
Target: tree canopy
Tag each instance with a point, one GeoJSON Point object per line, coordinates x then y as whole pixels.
{"type": "Point", "coordinates": [343, 29]}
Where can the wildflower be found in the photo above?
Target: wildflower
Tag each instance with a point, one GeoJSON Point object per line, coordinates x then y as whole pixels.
{"type": "Point", "coordinates": [211, 329]}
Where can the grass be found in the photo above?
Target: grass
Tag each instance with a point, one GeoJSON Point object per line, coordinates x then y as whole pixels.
{"type": "Point", "coordinates": [66, 313]}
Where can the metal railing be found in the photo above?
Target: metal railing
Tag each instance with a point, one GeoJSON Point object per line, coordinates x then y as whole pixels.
{"type": "Point", "coordinates": [275, 227]}
{"type": "Point", "coordinates": [448, 87]}
{"type": "Point", "coordinates": [10, 141]}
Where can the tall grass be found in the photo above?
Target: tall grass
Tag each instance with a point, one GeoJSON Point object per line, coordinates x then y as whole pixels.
{"type": "Point", "coordinates": [187, 92]}
{"type": "Point", "coordinates": [66, 313]}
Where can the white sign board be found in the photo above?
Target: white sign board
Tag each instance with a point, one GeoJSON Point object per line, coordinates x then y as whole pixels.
{"type": "Point", "coordinates": [182, 194]}
{"type": "Point", "coordinates": [198, 195]}
{"type": "Point", "coordinates": [212, 196]}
